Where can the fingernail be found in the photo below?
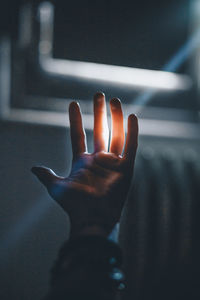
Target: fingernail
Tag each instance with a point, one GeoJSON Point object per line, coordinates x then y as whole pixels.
{"type": "Point", "coordinates": [74, 105]}
{"type": "Point", "coordinates": [99, 95]}
{"type": "Point", "coordinates": [133, 116]}
{"type": "Point", "coordinates": [115, 101]}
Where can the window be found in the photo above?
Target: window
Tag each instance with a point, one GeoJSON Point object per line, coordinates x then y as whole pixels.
{"type": "Point", "coordinates": [142, 52]}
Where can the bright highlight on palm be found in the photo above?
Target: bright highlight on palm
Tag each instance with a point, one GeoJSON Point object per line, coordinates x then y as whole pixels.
{"type": "Point", "coordinates": [97, 187]}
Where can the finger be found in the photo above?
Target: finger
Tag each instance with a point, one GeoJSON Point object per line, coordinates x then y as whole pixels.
{"type": "Point", "coordinates": [101, 133]}
{"type": "Point", "coordinates": [45, 175]}
{"type": "Point", "coordinates": [117, 134]}
{"type": "Point", "coordinates": [131, 140]}
{"type": "Point", "coordinates": [78, 138]}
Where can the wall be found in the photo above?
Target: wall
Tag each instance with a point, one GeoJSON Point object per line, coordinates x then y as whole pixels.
{"type": "Point", "coordinates": [32, 226]}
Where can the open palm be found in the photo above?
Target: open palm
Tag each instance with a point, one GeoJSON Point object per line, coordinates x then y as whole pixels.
{"type": "Point", "coordinates": [97, 187]}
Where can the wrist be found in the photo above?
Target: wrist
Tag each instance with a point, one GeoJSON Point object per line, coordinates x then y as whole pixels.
{"type": "Point", "coordinates": [93, 230]}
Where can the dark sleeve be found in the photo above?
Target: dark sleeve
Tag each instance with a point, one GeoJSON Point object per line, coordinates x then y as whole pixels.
{"type": "Point", "coordinates": [87, 267]}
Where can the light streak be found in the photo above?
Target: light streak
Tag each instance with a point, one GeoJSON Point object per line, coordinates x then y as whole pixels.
{"type": "Point", "coordinates": [171, 66]}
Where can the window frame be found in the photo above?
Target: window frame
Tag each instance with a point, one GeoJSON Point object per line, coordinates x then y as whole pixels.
{"type": "Point", "coordinates": [25, 56]}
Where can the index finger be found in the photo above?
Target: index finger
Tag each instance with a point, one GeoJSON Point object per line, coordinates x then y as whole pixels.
{"type": "Point", "coordinates": [78, 138]}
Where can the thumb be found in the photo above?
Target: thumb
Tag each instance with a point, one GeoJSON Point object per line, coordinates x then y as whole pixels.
{"type": "Point", "coordinates": [45, 175]}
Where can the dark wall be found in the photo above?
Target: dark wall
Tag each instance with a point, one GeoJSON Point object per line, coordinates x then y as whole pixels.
{"type": "Point", "coordinates": [32, 226]}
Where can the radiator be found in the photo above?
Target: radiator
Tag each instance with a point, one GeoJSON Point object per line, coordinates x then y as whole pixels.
{"type": "Point", "coordinates": [160, 227]}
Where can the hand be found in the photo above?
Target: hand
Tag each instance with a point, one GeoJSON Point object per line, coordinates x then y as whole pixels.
{"type": "Point", "coordinates": [95, 191]}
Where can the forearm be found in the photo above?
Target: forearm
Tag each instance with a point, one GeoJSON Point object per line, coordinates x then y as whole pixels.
{"type": "Point", "coordinates": [88, 265]}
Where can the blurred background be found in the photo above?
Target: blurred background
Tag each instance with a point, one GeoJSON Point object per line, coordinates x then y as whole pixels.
{"type": "Point", "coordinates": [147, 53]}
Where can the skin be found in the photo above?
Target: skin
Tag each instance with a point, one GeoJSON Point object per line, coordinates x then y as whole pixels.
{"type": "Point", "coordinates": [95, 191]}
